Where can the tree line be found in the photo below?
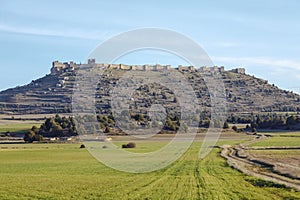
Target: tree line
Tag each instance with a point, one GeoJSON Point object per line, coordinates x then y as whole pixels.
{"type": "Point", "coordinates": [52, 127]}
{"type": "Point", "coordinates": [274, 121]}
{"type": "Point", "coordinates": [65, 126]}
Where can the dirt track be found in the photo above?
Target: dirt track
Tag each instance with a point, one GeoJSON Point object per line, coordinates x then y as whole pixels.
{"type": "Point", "coordinates": [240, 160]}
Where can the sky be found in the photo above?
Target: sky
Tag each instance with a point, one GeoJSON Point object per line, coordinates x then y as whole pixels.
{"type": "Point", "coordinates": [262, 36]}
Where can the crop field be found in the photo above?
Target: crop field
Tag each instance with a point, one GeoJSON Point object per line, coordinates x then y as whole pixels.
{"type": "Point", "coordinates": [64, 171]}
{"type": "Point", "coordinates": [281, 151]}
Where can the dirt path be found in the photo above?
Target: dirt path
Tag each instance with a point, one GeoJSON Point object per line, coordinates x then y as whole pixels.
{"type": "Point", "coordinates": [237, 158]}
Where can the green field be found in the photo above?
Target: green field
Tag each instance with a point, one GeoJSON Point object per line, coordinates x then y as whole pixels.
{"type": "Point", "coordinates": [282, 133]}
{"type": "Point", "coordinates": [17, 127]}
{"type": "Point", "coordinates": [64, 171]}
{"type": "Point", "coordinates": [281, 153]}
{"type": "Point", "coordinates": [278, 141]}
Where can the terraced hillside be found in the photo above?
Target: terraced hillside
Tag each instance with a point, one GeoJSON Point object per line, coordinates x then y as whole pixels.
{"type": "Point", "coordinates": [52, 94]}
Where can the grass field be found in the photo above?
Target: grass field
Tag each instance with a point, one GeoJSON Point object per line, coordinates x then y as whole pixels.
{"type": "Point", "coordinates": [282, 133]}
{"type": "Point", "coordinates": [17, 127]}
{"type": "Point", "coordinates": [284, 140]}
{"type": "Point", "coordinates": [64, 171]}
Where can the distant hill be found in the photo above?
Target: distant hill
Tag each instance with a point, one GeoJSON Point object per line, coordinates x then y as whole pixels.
{"type": "Point", "coordinates": [52, 93]}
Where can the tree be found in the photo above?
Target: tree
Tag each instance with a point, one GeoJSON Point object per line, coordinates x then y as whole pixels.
{"type": "Point", "coordinates": [39, 138]}
{"type": "Point", "coordinates": [29, 136]}
{"type": "Point", "coordinates": [107, 130]}
{"type": "Point", "coordinates": [35, 129]}
{"type": "Point", "coordinates": [56, 129]}
{"type": "Point", "coordinates": [254, 125]}
{"type": "Point", "coordinates": [139, 117]}
{"type": "Point", "coordinates": [225, 126]}
{"type": "Point", "coordinates": [101, 125]}
{"type": "Point", "coordinates": [291, 120]}
{"type": "Point", "coordinates": [105, 119]}
{"type": "Point", "coordinates": [234, 128]}
{"type": "Point", "coordinates": [170, 125]}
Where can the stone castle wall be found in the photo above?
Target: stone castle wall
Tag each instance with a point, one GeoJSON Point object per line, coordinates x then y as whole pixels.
{"type": "Point", "coordinates": [58, 67]}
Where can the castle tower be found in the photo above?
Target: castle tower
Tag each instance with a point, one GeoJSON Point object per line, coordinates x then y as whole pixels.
{"type": "Point", "coordinates": [57, 67]}
{"type": "Point", "coordinates": [91, 61]}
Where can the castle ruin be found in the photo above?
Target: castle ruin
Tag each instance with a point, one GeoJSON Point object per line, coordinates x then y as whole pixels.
{"type": "Point", "coordinates": [58, 67]}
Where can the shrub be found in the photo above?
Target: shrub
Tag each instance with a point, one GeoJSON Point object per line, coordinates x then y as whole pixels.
{"type": "Point", "coordinates": [30, 136]}
{"type": "Point", "coordinates": [129, 145]}
{"type": "Point", "coordinates": [264, 183]}
{"type": "Point", "coordinates": [107, 130]}
{"type": "Point", "coordinates": [39, 138]}
{"type": "Point", "coordinates": [225, 126]}
{"type": "Point", "coordinates": [234, 128]}
{"type": "Point", "coordinates": [82, 146]}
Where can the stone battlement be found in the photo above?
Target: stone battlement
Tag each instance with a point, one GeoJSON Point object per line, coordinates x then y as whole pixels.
{"type": "Point", "coordinates": [58, 67]}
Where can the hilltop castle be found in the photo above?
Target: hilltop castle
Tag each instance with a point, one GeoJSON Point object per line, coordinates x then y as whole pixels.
{"type": "Point", "coordinates": [58, 67]}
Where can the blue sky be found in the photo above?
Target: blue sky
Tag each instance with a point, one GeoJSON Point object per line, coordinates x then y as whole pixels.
{"type": "Point", "coordinates": [262, 36]}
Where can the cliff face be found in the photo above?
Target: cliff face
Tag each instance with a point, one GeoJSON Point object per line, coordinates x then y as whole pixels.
{"type": "Point", "coordinates": [52, 94]}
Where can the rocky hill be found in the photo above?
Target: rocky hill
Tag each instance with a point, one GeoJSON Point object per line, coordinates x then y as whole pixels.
{"type": "Point", "coordinates": [52, 93]}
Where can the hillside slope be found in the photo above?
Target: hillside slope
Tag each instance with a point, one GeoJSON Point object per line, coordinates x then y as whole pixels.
{"type": "Point", "coordinates": [52, 94]}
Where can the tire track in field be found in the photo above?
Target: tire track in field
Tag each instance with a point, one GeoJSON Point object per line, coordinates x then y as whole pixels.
{"type": "Point", "coordinates": [245, 166]}
{"type": "Point", "coordinates": [200, 184]}
{"type": "Point", "coordinates": [161, 181]}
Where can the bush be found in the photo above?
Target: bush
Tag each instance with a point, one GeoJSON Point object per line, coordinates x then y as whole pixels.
{"type": "Point", "coordinates": [234, 128]}
{"type": "Point", "coordinates": [107, 130]}
{"type": "Point", "coordinates": [129, 145]}
{"type": "Point", "coordinates": [264, 183]}
{"type": "Point", "coordinates": [39, 138]}
{"type": "Point", "coordinates": [225, 126]}
{"type": "Point", "coordinates": [31, 136]}
{"type": "Point", "coordinates": [82, 146]}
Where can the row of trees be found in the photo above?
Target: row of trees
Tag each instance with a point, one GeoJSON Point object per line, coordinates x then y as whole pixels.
{"type": "Point", "coordinates": [65, 126]}
{"type": "Point", "coordinates": [58, 127]}
{"type": "Point", "coordinates": [172, 122]}
{"type": "Point", "coordinates": [276, 122]}
{"type": "Point", "coordinates": [53, 127]}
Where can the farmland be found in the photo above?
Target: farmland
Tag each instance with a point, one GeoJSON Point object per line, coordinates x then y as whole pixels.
{"type": "Point", "coordinates": [64, 171]}
{"type": "Point", "coordinates": [17, 127]}
{"type": "Point", "coordinates": [280, 139]}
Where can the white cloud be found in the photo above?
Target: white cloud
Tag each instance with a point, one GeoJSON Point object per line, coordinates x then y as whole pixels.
{"type": "Point", "coordinates": [283, 72]}
{"type": "Point", "coordinates": [72, 33]}
{"type": "Point", "coordinates": [248, 61]}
